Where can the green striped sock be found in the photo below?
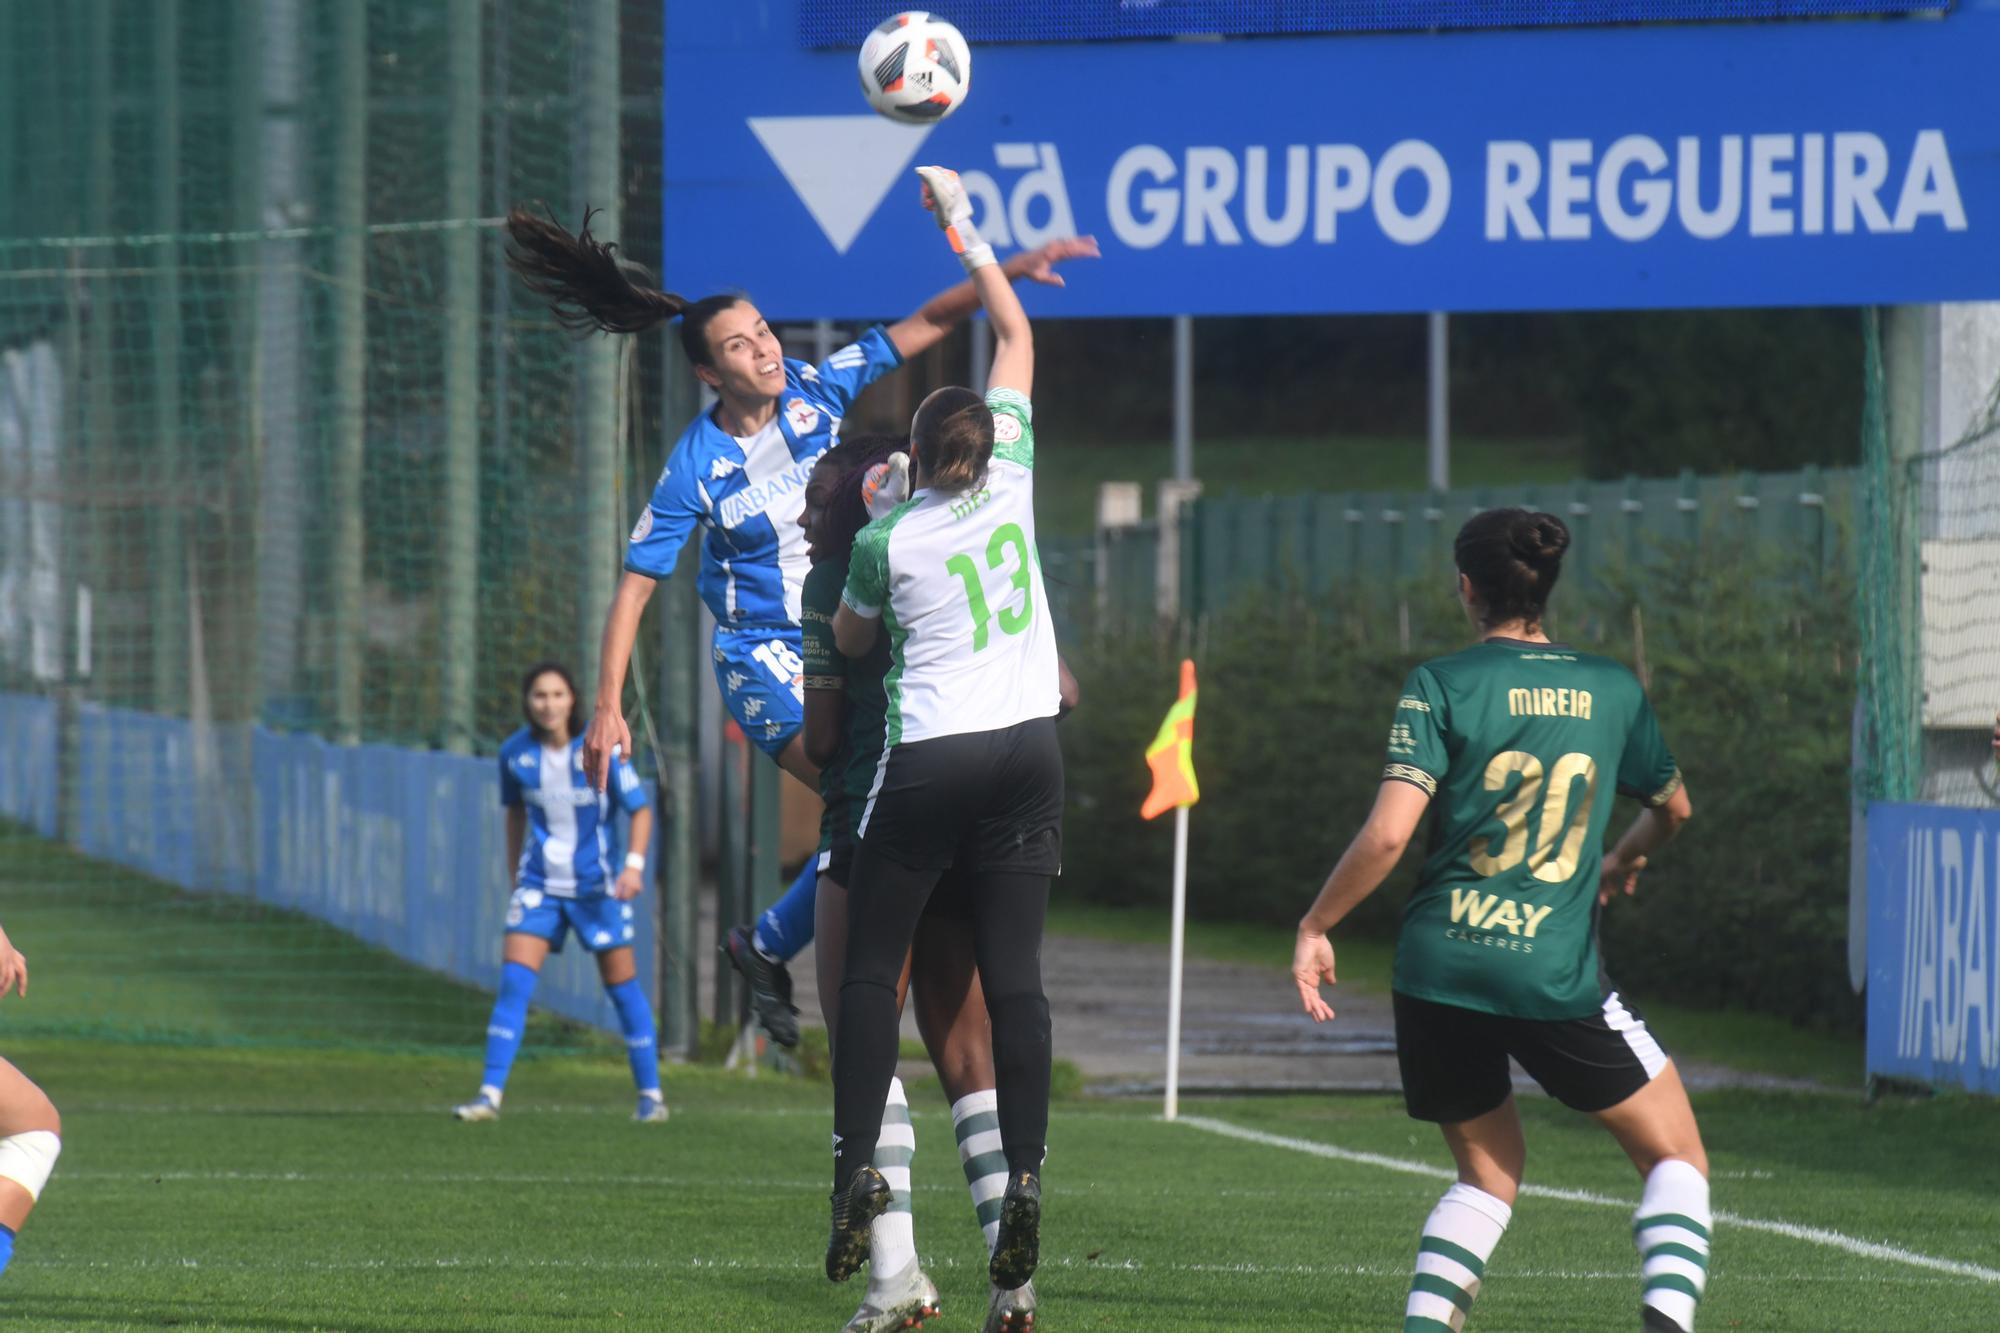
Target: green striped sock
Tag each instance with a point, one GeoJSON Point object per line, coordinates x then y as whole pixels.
{"type": "Point", "coordinates": [892, 1241]}
{"type": "Point", "coordinates": [1458, 1239]}
{"type": "Point", "coordinates": [1671, 1231]}
{"type": "Point", "coordinates": [975, 1118]}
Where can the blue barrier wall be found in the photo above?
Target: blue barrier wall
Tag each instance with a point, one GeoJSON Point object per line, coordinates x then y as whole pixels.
{"type": "Point", "coordinates": [28, 761]}
{"type": "Point", "coordinates": [403, 849]}
{"type": "Point", "coordinates": [1934, 944]}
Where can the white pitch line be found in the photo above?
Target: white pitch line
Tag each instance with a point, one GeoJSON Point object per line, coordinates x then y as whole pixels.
{"type": "Point", "coordinates": [1866, 1249]}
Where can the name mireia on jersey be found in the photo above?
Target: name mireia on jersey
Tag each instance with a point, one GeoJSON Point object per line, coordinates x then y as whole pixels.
{"type": "Point", "coordinates": [1543, 701]}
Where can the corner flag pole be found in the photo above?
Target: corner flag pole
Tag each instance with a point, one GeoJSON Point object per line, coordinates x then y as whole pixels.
{"type": "Point", "coordinates": [1171, 757]}
{"type": "Point", "coordinates": [1174, 983]}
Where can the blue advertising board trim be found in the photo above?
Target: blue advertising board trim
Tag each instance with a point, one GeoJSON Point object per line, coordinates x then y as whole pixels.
{"type": "Point", "coordinates": [1934, 944]}
{"type": "Point", "coordinates": [1828, 163]}
{"type": "Point", "coordinates": [846, 22]}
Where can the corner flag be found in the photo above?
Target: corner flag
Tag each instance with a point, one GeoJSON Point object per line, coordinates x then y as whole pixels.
{"type": "Point", "coordinates": [1171, 755]}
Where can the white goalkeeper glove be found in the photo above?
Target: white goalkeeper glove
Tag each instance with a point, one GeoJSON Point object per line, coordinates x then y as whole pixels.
{"type": "Point", "coordinates": [945, 196]}
{"type": "Point", "coordinates": [886, 485]}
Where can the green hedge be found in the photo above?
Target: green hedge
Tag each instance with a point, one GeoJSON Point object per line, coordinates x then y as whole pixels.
{"type": "Point", "coordinates": [1753, 678]}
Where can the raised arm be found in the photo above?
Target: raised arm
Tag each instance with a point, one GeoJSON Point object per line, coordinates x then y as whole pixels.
{"type": "Point", "coordinates": [1013, 340]}
{"type": "Point", "coordinates": [925, 327]}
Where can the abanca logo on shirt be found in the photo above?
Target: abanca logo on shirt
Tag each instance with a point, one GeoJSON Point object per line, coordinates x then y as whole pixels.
{"type": "Point", "coordinates": [757, 497]}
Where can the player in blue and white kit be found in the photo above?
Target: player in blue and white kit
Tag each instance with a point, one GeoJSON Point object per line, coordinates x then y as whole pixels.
{"type": "Point", "coordinates": [739, 471]}
{"type": "Point", "coordinates": [562, 840]}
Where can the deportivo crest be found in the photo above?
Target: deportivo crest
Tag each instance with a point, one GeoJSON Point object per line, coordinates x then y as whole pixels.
{"type": "Point", "coordinates": [802, 416]}
{"type": "Point", "coordinates": [1006, 428]}
{"type": "Point", "coordinates": [643, 526]}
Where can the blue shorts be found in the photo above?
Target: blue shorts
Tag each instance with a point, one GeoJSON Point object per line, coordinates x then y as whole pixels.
{"type": "Point", "coordinates": [762, 678]}
{"type": "Point", "coordinates": [600, 921]}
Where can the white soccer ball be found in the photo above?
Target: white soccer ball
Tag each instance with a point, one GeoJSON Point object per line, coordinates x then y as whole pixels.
{"type": "Point", "coordinates": [915, 68]}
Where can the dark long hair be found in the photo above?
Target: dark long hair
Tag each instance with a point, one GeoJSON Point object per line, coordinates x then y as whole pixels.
{"type": "Point", "coordinates": [847, 511]}
{"type": "Point", "coordinates": [1513, 558]}
{"type": "Point", "coordinates": [952, 436]}
{"type": "Point", "coordinates": [592, 290]}
{"type": "Point", "coordinates": [576, 719]}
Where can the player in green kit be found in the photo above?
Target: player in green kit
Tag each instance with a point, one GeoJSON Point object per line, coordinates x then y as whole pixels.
{"type": "Point", "coordinates": [1517, 744]}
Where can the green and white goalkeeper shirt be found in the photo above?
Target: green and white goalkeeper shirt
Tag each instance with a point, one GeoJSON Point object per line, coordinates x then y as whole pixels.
{"type": "Point", "coordinates": [957, 582]}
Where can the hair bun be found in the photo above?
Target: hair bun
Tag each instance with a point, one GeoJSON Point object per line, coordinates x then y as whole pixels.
{"type": "Point", "coordinates": [1539, 539]}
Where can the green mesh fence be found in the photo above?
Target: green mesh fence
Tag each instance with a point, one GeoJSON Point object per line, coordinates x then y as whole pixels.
{"type": "Point", "coordinates": [283, 445]}
{"type": "Point", "coordinates": [1929, 584]}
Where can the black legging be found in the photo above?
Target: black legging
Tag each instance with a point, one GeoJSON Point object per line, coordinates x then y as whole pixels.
{"type": "Point", "coordinates": [1009, 912]}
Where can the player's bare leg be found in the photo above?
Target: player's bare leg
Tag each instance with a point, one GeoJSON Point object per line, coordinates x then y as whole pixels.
{"type": "Point", "coordinates": [1656, 1128]}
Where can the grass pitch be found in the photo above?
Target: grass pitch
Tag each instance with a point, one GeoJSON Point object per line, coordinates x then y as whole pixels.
{"type": "Point", "coordinates": [268, 1189]}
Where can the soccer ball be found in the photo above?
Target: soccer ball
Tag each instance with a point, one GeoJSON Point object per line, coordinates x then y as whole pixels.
{"type": "Point", "coordinates": [915, 68]}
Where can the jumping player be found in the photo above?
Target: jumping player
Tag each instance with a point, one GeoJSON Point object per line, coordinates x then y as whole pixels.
{"type": "Point", "coordinates": [970, 777]}
{"type": "Point", "coordinates": [738, 471]}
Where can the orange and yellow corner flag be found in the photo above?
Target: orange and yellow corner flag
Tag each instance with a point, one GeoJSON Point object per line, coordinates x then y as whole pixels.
{"type": "Point", "coordinates": [1171, 755]}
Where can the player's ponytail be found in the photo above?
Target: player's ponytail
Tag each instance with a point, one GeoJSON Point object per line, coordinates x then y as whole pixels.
{"type": "Point", "coordinates": [951, 440]}
{"type": "Point", "coordinates": [592, 290]}
{"type": "Point", "coordinates": [1513, 558]}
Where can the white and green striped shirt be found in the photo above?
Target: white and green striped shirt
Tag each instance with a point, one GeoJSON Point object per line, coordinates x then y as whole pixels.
{"type": "Point", "coordinates": [957, 582]}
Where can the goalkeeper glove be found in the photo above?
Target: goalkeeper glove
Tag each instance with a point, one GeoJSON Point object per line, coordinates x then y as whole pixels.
{"type": "Point", "coordinates": [945, 196]}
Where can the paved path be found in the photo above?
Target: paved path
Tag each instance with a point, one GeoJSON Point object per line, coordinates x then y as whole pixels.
{"type": "Point", "coordinates": [1241, 1026]}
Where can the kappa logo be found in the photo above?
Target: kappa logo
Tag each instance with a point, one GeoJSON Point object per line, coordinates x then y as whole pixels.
{"type": "Point", "coordinates": [752, 708]}
{"type": "Point", "coordinates": [526, 761]}
{"type": "Point", "coordinates": [772, 728]}
{"type": "Point", "coordinates": [722, 467]}
{"type": "Point", "coordinates": [735, 680]}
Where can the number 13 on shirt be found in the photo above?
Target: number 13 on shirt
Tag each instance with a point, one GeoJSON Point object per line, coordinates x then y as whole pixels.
{"type": "Point", "coordinates": [1012, 621]}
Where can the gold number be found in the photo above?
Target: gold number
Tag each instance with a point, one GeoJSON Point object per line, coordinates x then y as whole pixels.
{"type": "Point", "coordinates": [1560, 822]}
{"type": "Point", "coordinates": [1513, 812]}
{"type": "Point", "coordinates": [1560, 829]}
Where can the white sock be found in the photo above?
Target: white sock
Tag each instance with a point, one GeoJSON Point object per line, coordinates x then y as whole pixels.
{"type": "Point", "coordinates": [975, 1118]}
{"type": "Point", "coordinates": [1459, 1237]}
{"type": "Point", "coordinates": [490, 1093]}
{"type": "Point", "coordinates": [1671, 1230]}
{"type": "Point", "coordinates": [892, 1237]}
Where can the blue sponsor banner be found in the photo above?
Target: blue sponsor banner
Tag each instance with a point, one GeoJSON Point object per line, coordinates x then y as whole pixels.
{"type": "Point", "coordinates": [137, 793]}
{"type": "Point", "coordinates": [406, 850]}
{"type": "Point", "coordinates": [1577, 168]}
{"type": "Point", "coordinates": [1934, 944]}
{"type": "Point", "coordinates": [846, 22]}
{"type": "Point", "coordinates": [28, 761]}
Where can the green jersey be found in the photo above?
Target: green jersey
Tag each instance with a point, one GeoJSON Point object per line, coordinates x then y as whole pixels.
{"type": "Point", "coordinates": [1519, 745]}
{"type": "Point", "coordinates": [845, 781]}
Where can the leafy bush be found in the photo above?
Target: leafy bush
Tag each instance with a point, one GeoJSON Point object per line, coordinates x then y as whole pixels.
{"type": "Point", "coordinates": [1752, 676]}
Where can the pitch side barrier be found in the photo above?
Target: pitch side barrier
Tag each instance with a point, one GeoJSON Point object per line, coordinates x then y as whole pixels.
{"type": "Point", "coordinates": [1934, 945]}
{"type": "Point", "coordinates": [404, 849]}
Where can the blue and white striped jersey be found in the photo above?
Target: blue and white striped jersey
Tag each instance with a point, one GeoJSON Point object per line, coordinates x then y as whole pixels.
{"type": "Point", "coordinates": [748, 493]}
{"type": "Point", "coordinates": [572, 849]}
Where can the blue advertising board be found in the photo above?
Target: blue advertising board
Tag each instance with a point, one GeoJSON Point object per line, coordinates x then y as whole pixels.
{"type": "Point", "coordinates": [1934, 944]}
{"type": "Point", "coordinates": [1762, 164]}
{"type": "Point", "coordinates": [846, 22]}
